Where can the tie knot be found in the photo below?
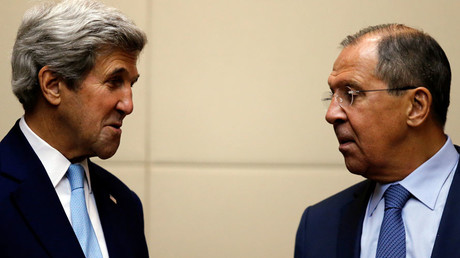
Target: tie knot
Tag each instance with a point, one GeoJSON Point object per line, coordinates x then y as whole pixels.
{"type": "Point", "coordinates": [396, 196]}
{"type": "Point", "coordinates": [76, 175]}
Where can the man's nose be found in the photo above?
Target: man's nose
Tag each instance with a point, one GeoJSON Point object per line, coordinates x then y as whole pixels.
{"type": "Point", "coordinates": [125, 104]}
{"type": "Point", "coordinates": [335, 112]}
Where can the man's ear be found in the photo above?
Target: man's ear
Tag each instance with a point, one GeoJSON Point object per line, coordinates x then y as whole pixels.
{"type": "Point", "coordinates": [50, 85]}
{"type": "Point", "coordinates": [420, 107]}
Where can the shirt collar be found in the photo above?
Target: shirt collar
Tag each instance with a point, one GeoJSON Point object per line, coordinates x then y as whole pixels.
{"type": "Point", "coordinates": [55, 163]}
{"type": "Point", "coordinates": [425, 182]}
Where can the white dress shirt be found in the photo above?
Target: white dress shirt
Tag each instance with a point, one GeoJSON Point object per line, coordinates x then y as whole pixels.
{"type": "Point", "coordinates": [429, 185]}
{"type": "Point", "coordinates": [56, 166]}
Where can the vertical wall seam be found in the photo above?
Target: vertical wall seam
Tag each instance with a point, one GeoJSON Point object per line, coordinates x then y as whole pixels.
{"type": "Point", "coordinates": [147, 144]}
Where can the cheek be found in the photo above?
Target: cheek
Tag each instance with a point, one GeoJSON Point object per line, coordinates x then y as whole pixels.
{"type": "Point", "coordinates": [91, 124]}
{"type": "Point", "coordinates": [378, 137]}
{"type": "Point", "coordinates": [367, 130]}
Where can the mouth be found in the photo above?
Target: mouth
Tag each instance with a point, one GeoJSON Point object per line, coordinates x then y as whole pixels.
{"type": "Point", "coordinates": [344, 142]}
{"type": "Point", "coordinates": [116, 126]}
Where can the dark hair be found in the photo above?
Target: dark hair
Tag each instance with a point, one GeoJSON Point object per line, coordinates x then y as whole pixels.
{"type": "Point", "coordinates": [68, 37]}
{"type": "Point", "coordinates": [410, 57]}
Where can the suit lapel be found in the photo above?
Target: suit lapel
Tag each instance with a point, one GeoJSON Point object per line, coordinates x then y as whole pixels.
{"type": "Point", "coordinates": [35, 198]}
{"type": "Point", "coordinates": [40, 208]}
{"type": "Point", "coordinates": [447, 239]}
{"type": "Point", "coordinates": [120, 214]}
{"type": "Point", "coordinates": [351, 222]}
{"type": "Point", "coordinates": [109, 212]}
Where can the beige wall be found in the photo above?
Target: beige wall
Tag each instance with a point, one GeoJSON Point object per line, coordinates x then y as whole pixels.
{"type": "Point", "coordinates": [227, 144]}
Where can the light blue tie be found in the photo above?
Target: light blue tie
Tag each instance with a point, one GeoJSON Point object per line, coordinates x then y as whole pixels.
{"type": "Point", "coordinates": [392, 238]}
{"type": "Point", "coordinates": [79, 214]}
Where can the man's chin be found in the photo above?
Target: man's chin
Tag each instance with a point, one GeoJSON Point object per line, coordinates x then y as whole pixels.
{"type": "Point", "coordinates": [107, 151]}
{"type": "Point", "coordinates": [355, 167]}
{"type": "Point", "coordinates": [106, 155]}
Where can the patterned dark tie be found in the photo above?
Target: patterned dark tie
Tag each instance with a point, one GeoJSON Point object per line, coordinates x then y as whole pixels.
{"type": "Point", "coordinates": [392, 238]}
{"type": "Point", "coordinates": [79, 214]}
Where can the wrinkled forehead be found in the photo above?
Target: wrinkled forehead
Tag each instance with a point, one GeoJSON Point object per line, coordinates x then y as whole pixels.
{"type": "Point", "coordinates": [355, 64]}
{"type": "Point", "coordinates": [364, 50]}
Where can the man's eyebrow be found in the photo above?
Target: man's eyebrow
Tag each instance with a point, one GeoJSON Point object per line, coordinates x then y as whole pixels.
{"type": "Point", "coordinates": [351, 83]}
{"type": "Point", "coordinates": [122, 70]}
{"type": "Point", "coordinates": [117, 71]}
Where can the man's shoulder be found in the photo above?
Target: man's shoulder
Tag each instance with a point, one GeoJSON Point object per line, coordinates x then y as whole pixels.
{"type": "Point", "coordinates": [320, 223]}
{"type": "Point", "coordinates": [326, 215]}
{"type": "Point", "coordinates": [17, 157]}
{"type": "Point", "coordinates": [12, 136]}
{"type": "Point", "coordinates": [102, 178]}
{"type": "Point", "coordinates": [101, 174]}
{"type": "Point", "coordinates": [343, 197]}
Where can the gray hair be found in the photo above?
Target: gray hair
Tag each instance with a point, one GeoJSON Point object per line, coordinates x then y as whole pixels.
{"type": "Point", "coordinates": [410, 57]}
{"type": "Point", "coordinates": [68, 37]}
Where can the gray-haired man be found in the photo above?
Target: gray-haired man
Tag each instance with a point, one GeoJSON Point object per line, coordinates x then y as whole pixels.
{"type": "Point", "coordinates": [73, 64]}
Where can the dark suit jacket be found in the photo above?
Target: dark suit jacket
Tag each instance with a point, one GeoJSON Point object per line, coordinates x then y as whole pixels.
{"type": "Point", "coordinates": [332, 228]}
{"type": "Point", "coordinates": [33, 222]}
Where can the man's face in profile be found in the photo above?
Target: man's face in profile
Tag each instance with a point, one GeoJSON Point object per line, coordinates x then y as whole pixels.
{"type": "Point", "coordinates": [94, 112]}
{"type": "Point", "coordinates": [370, 130]}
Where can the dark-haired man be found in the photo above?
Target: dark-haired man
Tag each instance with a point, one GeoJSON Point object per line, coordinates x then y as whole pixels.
{"type": "Point", "coordinates": [388, 104]}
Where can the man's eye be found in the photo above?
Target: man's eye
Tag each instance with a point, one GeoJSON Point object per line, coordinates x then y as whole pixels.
{"type": "Point", "coordinates": [352, 93]}
{"type": "Point", "coordinates": [116, 82]}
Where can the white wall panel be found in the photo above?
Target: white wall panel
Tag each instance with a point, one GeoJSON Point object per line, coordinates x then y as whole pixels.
{"type": "Point", "coordinates": [208, 211]}
{"type": "Point", "coordinates": [243, 79]}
